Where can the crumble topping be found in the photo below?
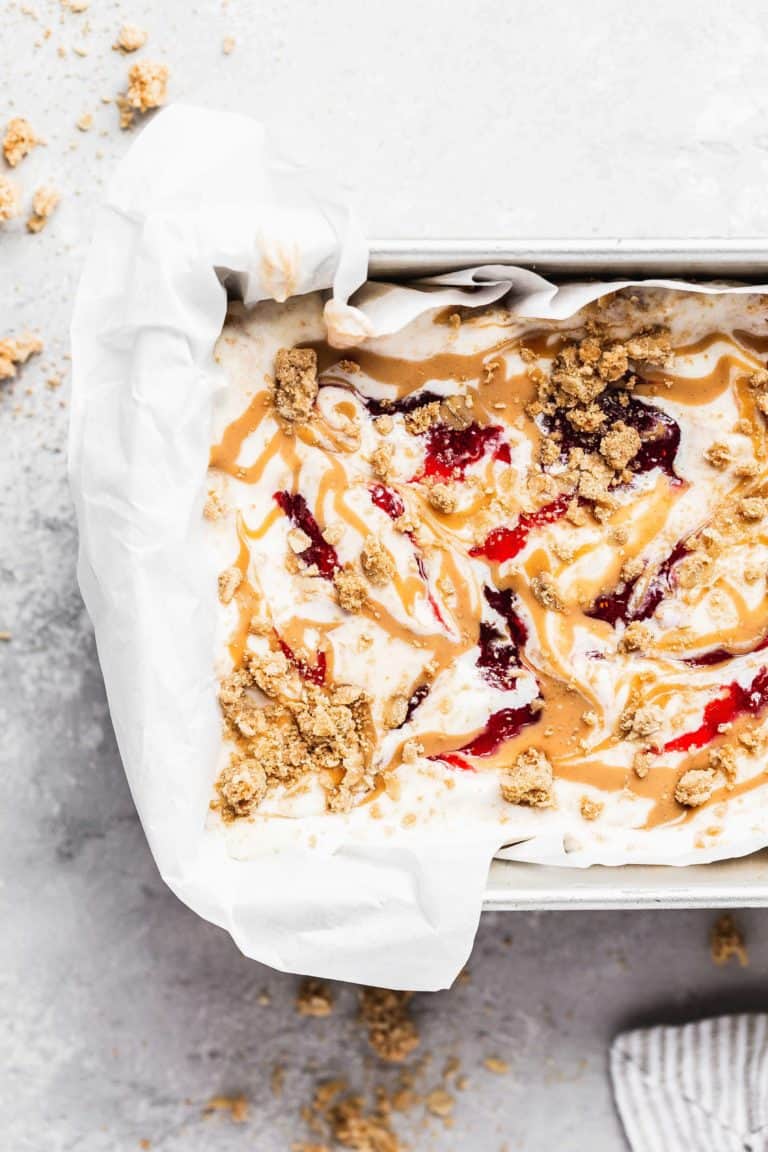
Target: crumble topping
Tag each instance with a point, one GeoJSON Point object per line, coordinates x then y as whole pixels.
{"type": "Point", "coordinates": [640, 722]}
{"type": "Point", "coordinates": [529, 780]}
{"type": "Point", "coordinates": [718, 455]}
{"type": "Point", "coordinates": [351, 589]}
{"type": "Point", "coordinates": [590, 809]}
{"type": "Point", "coordinates": [442, 497]}
{"type": "Point", "coordinates": [19, 140]}
{"type": "Point", "coordinates": [305, 729]}
{"type": "Point", "coordinates": [376, 562]}
{"type": "Point", "coordinates": [695, 787]}
{"type": "Point", "coordinates": [44, 203]}
{"type": "Point", "coordinates": [229, 582]}
{"type": "Point", "coordinates": [545, 591]}
{"type": "Point", "coordinates": [295, 383]}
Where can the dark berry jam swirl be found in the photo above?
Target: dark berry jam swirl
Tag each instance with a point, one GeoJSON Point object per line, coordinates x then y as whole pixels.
{"type": "Point", "coordinates": [659, 433]}
{"type": "Point", "coordinates": [317, 551]}
{"type": "Point", "coordinates": [450, 451]}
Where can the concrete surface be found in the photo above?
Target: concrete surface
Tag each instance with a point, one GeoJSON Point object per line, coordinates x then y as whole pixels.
{"type": "Point", "coordinates": [122, 1013]}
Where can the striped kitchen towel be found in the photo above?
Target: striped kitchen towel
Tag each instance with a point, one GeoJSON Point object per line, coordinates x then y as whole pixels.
{"type": "Point", "coordinates": [700, 1087]}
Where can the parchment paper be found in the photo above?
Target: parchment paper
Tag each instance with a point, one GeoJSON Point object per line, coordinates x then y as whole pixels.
{"type": "Point", "coordinates": [199, 206]}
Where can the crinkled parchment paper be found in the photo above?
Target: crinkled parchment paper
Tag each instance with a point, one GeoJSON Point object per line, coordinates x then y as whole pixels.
{"type": "Point", "coordinates": [201, 206]}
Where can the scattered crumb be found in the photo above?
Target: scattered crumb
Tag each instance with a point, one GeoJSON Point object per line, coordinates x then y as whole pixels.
{"type": "Point", "coordinates": [391, 1032]}
{"type": "Point", "coordinates": [439, 1102]}
{"type": "Point", "coordinates": [726, 941]}
{"type": "Point", "coordinates": [236, 1106]}
{"type": "Point", "coordinates": [19, 140]}
{"type": "Point", "coordinates": [130, 38]}
{"type": "Point", "coordinates": [44, 203]}
{"type": "Point", "coordinates": [314, 999]}
{"type": "Point", "coordinates": [147, 89]}
{"type": "Point", "coordinates": [528, 780]}
{"type": "Point", "coordinates": [9, 199]}
{"type": "Point", "coordinates": [13, 352]}
{"type": "Point", "coordinates": [85, 123]}
{"type": "Point", "coordinates": [495, 1065]}
{"type": "Point", "coordinates": [228, 45]}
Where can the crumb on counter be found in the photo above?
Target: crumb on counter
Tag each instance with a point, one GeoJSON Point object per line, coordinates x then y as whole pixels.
{"type": "Point", "coordinates": [314, 999]}
{"type": "Point", "coordinates": [9, 199]}
{"type": "Point", "coordinates": [236, 1106]}
{"type": "Point", "coordinates": [727, 942]}
{"type": "Point", "coordinates": [19, 140]}
{"type": "Point", "coordinates": [44, 203]}
{"type": "Point", "coordinates": [391, 1032]}
{"type": "Point", "coordinates": [129, 39]}
{"type": "Point", "coordinates": [15, 352]}
{"type": "Point", "coordinates": [147, 89]}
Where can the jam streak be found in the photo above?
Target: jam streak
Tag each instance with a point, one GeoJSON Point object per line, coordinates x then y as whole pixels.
{"type": "Point", "coordinates": [450, 451]}
{"type": "Point", "coordinates": [501, 726]}
{"type": "Point", "coordinates": [736, 701]}
{"type": "Point", "coordinates": [505, 543]}
{"type": "Point", "coordinates": [615, 606]}
{"type": "Point", "coordinates": [317, 551]}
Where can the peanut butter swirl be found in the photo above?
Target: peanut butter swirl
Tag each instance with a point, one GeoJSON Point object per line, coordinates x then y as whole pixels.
{"type": "Point", "coordinates": [538, 552]}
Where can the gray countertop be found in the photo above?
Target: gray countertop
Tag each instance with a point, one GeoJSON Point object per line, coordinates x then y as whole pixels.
{"type": "Point", "coordinates": [122, 1012]}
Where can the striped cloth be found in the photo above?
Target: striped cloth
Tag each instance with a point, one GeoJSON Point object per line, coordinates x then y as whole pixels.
{"type": "Point", "coordinates": [699, 1087]}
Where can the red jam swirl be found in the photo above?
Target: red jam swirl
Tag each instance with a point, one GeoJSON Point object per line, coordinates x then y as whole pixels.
{"type": "Point", "coordinates": [505, 543]}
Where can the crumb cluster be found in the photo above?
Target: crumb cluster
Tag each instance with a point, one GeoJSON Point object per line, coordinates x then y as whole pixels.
{"type": "Point", "coordinates": [303, 729]}
{"type": "Point", "coordinates": [296, 385]}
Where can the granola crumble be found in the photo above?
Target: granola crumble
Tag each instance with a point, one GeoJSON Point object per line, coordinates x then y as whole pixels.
{"type": "Point", "coordinates": [528, 780]}
{"type": "Point", "coordinates": [351, 590]}
{"type": "Point", "coordinates": [296, 384]}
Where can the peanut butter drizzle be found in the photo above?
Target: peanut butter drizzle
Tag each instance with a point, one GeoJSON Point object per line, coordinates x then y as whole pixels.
{"type": "Point", "coordinates": [224, 455]}
{"type": "Point", "coordinates": [246, 599]}
{"type": "Point", "coordinates": [407, 376]}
